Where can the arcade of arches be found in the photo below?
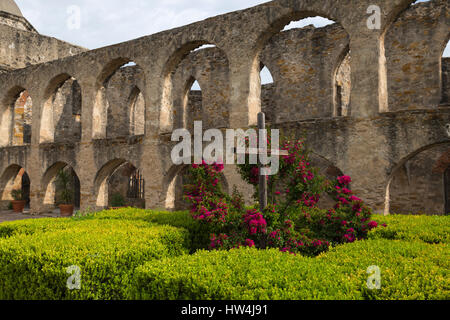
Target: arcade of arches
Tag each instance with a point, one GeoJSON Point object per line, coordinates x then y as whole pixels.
{"type": "Point", "coordinates": [371, 104]}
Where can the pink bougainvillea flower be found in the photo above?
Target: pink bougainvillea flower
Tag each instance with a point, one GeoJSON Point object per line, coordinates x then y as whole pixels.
{"type": "Point", "coordinates": [249, 243]}
{"type": "Point", "coordinates": [344, 180]}
{"type": "Point", "coordinates": [372, 225]}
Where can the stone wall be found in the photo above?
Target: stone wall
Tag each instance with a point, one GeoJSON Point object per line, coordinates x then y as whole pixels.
{"type": "Point", "coordinates": [369, 128]}
{"type": "Point", "coordinates": [303, 63]}
{"type": "Point", "coordinates": [19, 48]}
{"type": "Point", "coordinates": [418, 187]}
{"type": "Point", "coordinates": [446, 81]}
{"type": "Point", "coordinates": [414, 46]}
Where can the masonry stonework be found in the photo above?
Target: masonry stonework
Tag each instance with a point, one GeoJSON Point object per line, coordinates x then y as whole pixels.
{"type": "Point", "coordinates": [373, 104]}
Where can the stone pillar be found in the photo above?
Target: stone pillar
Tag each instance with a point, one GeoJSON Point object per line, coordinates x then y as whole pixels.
{"type": "Point", "coordinates": [369, 88]}
{"type": "Point", "coordinates": [245, 101]}
{"type": "Point", "coordinates": [86, 167]}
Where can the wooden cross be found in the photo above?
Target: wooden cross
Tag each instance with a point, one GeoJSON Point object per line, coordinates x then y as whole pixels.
{"type": "Point", "coordinates": [263, 151]}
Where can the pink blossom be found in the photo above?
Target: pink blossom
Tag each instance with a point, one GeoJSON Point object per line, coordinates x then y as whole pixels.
{"type": "Point", "coordinates": [344, 180]}
{"type": "Point", "coordinates": [372, 225]}
{"type": "Point", "coordinates": [250, 243]}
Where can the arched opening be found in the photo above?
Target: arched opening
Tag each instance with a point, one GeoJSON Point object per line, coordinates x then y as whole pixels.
{"type": "Point", "coordinates": [343, 87]}
{"type": "Point", "coordinates": [192, 104]}
{"type": "Point", "coordinates": [22, 119]}
{"type": "Point", "coordinates": [118, 184]}
{"type": "Point", "coordinates": [117, 95]}
{"type": "Point", "coordinates": [54, 189]}
{"type": "Point", "coordinates": [446, 74]}
{"type": "Point", "coordinates": [305, 58]}
{"type": "Point", "coordinates": [176, 178]}
{"type": "Point", "coordinates": [61, 114]}
{"type": "Point", "coordinates": [16, 118]}
{"type": "Point", "coordinates": [267, 93]}
{"type": "Point", "coordinates": [14, 178]}
{"type": "Point", "coordinates": [419, 184]}
{"type": "Point", "coordinates": [137, 113]}
{"type": "Point", "coordinates": [206, 64]}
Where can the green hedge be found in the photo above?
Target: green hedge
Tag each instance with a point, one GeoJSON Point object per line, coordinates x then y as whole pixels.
{"type": "Point", "coordinates": [33, 264]}
{"type": "Point", "coordinates": [199, 233]}
{"type": "Point", "coordinates": [429, 229]}
{"type": "Point", "coordinates": [141, 254]}
{"type": "Point", "coordinates": [32, 226]}
{"type": "Point", "coordinates": [409, 270]}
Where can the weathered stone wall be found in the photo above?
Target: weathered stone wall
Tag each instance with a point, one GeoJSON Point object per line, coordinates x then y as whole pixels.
{"type": "Point", "coordinates": [67, 112]}
{"type": "Point", "coordinates": [379, 130]}
{"type": "Point", "coordinates": [446, 81]}
{"type": "Point", "coordinates": [303, 63]}
{"type": "Point", "coordinates": [210, 67]}
{"type": "Point", "coordinates": [418, 186]}
{"type": "Point", "coordinates": [120, 93]}
{"type": "Point", "coordinates": [15, 21]}
{"type": "Point", "coordinates": [19, 48]}
{"type": "Point", "coordinates": [414, 46]}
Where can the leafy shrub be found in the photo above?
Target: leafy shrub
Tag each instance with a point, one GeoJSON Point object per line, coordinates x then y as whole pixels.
{"type": "Point", "coordinates": [199, 234]}
{"type": "Point", "coordinates": [291, 222]}
{"type": "Point", "coordinates": [408, 271]}
{"type": "Point", "coordinates": [32, 226]}
{"type": "Point", "coordinates": [17, 195]}
{"type": "Point", "coordinates": [33, 263]}
{"type": "Point", "coordinates": [64, 183]}
{"type": "Point", "coordinates": [117, 200]}
{"type": "Point", "coordinates": [429, 229]}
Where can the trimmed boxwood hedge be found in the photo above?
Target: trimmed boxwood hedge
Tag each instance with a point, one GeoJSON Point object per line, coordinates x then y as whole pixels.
{"type": "Point", "coordinates": [199, 234]}
{"type": "Point", "coordinates": [409, 270]}
{"type": "Point", "coordinates": [131, 253]}
{"type": "Point", "coordinates": [33, 263]}
{"type": "Point", "coordinates": [429, 229]}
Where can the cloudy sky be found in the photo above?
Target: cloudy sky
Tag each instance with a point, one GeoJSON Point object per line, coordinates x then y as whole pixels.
{"type": "Point", "coordinates": [106, 22]}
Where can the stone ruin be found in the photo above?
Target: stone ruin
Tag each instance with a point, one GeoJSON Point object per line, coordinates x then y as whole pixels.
{"type": "Point", "coordinates": [373, 103]}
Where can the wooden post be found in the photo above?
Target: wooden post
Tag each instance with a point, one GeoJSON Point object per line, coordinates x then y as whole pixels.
{"type": "Point", "coordinates": [262, 178]}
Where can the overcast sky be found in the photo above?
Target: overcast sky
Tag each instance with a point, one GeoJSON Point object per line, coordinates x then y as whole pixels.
{"type": "Point", "coordinates": [106, 22]}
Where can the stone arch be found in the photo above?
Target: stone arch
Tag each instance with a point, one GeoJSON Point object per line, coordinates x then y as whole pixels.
{"type": "Point", "coordinates": [16, 117]}
{"type": "Point", "coordinates": [167, 119]}
{"type": "Point", "coordinates": [173, 187]}
{"type": "Point", "coordinates": [50, 197]}
{"type": "Point", "coordinates": [111, 120]}
{"type": "Point", "coordinates": [137, 112]}
{"type": "Point", "coordinates": [102, 180]}
{"type": "Point", "coordinates": [415, 184]}
{"type": "Point", "coordinates": [61, 112]}
{"type": "Point", "coordinates": [14, 177]}
{"type": "Point", "coordinates": [305, 76]}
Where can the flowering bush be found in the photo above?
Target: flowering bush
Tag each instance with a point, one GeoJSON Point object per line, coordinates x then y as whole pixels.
{"type": "Point", "coordinates": [291, 222]}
